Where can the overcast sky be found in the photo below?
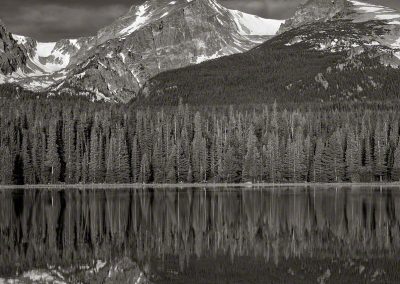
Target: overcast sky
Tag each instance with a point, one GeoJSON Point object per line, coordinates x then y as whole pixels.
{"type": "Point", "coordinates": [49, 20]}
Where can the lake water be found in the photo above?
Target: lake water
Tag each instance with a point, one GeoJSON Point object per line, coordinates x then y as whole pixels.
{"type": "Point", "coordinates": [238, 235]}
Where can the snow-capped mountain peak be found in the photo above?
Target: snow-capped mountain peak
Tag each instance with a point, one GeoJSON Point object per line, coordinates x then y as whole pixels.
{"type": "Point", "coordinates": [253, 25]}
{"type": "Point", "coordinates": [154, 10]}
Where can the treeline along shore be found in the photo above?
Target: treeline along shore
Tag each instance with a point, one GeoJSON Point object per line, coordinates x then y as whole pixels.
{"type": "Point", "coordinates": [56, 141]}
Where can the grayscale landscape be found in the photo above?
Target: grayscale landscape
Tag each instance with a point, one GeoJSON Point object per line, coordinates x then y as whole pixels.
{"type": "Point", "coordinates": [199, 141]}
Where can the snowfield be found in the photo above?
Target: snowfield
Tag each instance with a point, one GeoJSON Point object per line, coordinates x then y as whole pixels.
{"type": "Point", "coordinates": [379, 12]}
{"type": "Point", "coordinates": [44, 49]}
{"type": "Point", "coordinates": [253, 25]}
{"type": "Point", "coordinates": [142, 16]}
{"type": "Point", "coordinates": [20, 39]}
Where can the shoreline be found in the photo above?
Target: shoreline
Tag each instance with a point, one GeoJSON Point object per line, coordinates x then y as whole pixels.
{"type": "Point", "coordinates": [198, 185]}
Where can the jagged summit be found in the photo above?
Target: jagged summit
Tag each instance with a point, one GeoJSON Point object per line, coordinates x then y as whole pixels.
{"type": "Point", "coordinates": [12, 56]}
{"type": "Point", "coordinates": [154, 10]}
{"type": "Point", "coordinates": [324, 10]}
{"type": "Point", "coordinates": [314, 10]}
{"type": "Point", "coordinates": [139, 16]}
{"type": "Point", "coordinates": [353, 11]}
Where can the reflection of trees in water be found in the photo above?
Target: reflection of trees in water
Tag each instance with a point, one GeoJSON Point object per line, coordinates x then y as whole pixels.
{"type": "Point", "coordinates": [76, 226]}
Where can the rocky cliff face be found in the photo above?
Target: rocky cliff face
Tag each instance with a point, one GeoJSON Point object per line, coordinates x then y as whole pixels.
{"type": "Point", "coordinates": [12, 55]}
{"type": "Point", "coordinates": [151, 38]}
{"type": "Point", "coordinates": [314, 10]}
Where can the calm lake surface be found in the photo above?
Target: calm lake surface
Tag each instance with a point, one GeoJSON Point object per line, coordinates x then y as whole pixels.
{"type": "Point", "coordinates": [238, 235]}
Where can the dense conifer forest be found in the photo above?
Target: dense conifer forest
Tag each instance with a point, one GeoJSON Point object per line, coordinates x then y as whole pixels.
{"type": "Point", "coordinates": [75, 141]}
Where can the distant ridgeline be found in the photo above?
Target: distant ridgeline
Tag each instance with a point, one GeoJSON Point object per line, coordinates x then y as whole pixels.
{"type": "Point", "coordinates": [192, 229]}
{"type": "Point", "coordinates": [61, 141]}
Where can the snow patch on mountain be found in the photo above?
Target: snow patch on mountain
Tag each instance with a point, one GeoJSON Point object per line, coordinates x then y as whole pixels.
{"type": "Point", "coordinates": [254, 25]}
{"type": "Point", "coordinates": [75, 43]}
{"type": "Point", "coordinates": [20, 39]}
{"type": "Point", "coordinates": [44, 49]}
{"type": "Point", "coordinates": [203, 57]}
{"type": "Point", "coordinates": [387, 16]}
{"type": "Point", "coordinates": [142, 16]}
{"type": "Point", "coordinates": [396, 44]}
{"type": "Point", "coordinates": [377, 12]}
{"type": "Point", "coordinates": [45, 64]}
{"type": "Point", "coordinates": [54, 60]}
{"type": "Point", "coordinates": [366, 7]}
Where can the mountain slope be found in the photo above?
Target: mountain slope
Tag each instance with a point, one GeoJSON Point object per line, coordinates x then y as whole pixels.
{"type": "Point", "coordinates": [347, 53]}
{"type": "Point", "coordinates": [151, 38]}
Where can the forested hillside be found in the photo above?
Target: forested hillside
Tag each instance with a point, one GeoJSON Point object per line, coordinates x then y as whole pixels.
{"type": "Point", "coordinates": [332, 61]}
{"type": "Point", "coordinates": [55, 141]}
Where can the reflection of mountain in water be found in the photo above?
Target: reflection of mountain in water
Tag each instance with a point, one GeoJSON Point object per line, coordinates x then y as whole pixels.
{"type": "Point", "coordinates": [66, 227]}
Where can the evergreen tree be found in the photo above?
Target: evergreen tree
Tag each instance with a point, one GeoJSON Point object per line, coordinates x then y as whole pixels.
{"type": "Point", "coordinates": [230, 168]}
{"type": "Point", "coordinates": [380, 149]}
{"type": "Point", "coordinates": [396, 164]}
{"type": "Point", "coordinates": [252, 167]}
{"type": "Point", "coordinates": [171, 165]}
{"type": "Point", "coordinates": [158, 162]}
{"type": "Point", "coordinates": [135, 160]}
{"type": "Point", "coordinates": [353, 157]}
{"type": "Point", "coordinates": [333, 158]}
{"type": "Point", "coordinates": [94, 161]}
{"type": "Point", "coordinates": [366, 170]}
{"type": "Point", "coordinates": [69, 149]}
{"type": "Point", "coordinates": [38, 150]}
{"type": "Point", "coordinates": [7, 165]}
{"type": "Point", "coordinates": [198, 151]}
{"type": "Point", "coordinates": [79, 150]}
{"type": "Point", "coordinates": [318, 167]}
{"type": "Point", "coordinates": [52, 157]}
{"type": "Point", "coordinates": [28, 170]}
{"type": "Point", "coordinates": [273, 157]}
{"type": "Point", "coordinates": [122, 158]}
{"type": "Point", "coordinates": [85, 168]}
{"type": "Point", "coordinates": [102, 149]}
{"type": "Point", "coordinates": [182, 155]}
{"type": "Point", "coordinates": [298, 166]}
{"type": "Point", "coordinates": [144, 176]}
{"type": "Point", "coordinates": [111, 174]}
